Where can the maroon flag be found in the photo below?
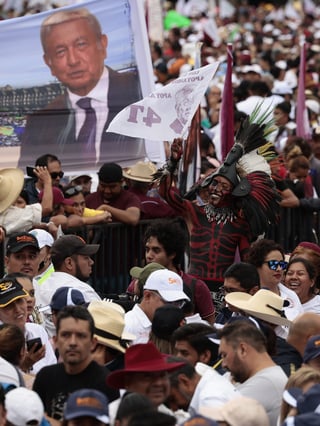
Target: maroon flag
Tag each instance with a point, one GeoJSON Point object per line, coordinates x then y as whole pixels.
{"type": "Point", "coordinates": [226, 110]}
{"type": "Point", "coordinates": [303, 126]}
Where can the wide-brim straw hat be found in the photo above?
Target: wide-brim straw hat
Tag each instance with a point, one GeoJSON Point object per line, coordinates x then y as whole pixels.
{"type": "Point", "coordinates": [264, 304]}
{"type": "Point", "coordinates": [109, 324]}
{"type": "Point", "coordinates": [11, 184]}
{"type": "Point", "coordinates": [141, 171]}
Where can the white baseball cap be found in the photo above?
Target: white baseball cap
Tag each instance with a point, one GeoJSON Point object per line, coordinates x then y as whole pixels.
{"type": "Point", "coordinates": [168, 284]}
{"type": "Point", "coordinates": [23, 406]}
{"type": "Point", "coordinates": [44, 238]}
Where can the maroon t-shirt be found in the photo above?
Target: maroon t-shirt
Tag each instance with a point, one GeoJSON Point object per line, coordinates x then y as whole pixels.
{"type": "Point", "coordinates": [125, 200]}
{"type": "Point", "coordinates": [153, 207]}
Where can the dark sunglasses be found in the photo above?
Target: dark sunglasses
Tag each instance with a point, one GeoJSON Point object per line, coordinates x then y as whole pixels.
{"type": "Point", "coordinates": [274, 264]}
{"type": "Point", "coordinates": [54, 175]}
{"type": "Point", "coordinates": [73, 190]}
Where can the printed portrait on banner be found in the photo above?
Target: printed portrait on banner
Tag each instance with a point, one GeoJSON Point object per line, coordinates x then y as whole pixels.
{"type": "Point", "coordinates": [67, 74]}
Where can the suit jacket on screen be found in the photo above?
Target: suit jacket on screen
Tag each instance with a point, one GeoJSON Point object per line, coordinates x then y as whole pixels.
{"type": "Point", "coordinates": [52, 129]}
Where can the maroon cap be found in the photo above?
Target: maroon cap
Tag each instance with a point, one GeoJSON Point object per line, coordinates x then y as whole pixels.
{"type": "Point", "coordinates": [58, 197]}
{"type": "Point", "coordinates": [309, 245]}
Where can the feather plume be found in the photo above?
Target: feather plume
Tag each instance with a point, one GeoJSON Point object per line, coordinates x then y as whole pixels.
{"type": "Point", "coordinates": [252, 162]}
{"type": "Point", "coordinates": [261, 206]}
{"type": "Point", "coordinates": [255, 129]}
{"type": "Point", "coordinates": [268, 151]}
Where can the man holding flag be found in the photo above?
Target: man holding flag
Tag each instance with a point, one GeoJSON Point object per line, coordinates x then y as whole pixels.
{"type": "Point", "coordinates": [240, 207]}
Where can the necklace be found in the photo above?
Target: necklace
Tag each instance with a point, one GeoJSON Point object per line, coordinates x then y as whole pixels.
{"type": "Point", "coordinates": [219, 214]}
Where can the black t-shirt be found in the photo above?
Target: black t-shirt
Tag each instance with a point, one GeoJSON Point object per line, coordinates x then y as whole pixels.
{"type": "Point", "coordinates": [54, 385]}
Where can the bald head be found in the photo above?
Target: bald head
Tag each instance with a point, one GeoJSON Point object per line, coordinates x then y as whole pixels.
{"type": "Point", "coordinates": [302, 328]}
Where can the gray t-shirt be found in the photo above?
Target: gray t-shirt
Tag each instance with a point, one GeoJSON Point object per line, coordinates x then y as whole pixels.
{"type": "Point", "coordinates": [267, 388]}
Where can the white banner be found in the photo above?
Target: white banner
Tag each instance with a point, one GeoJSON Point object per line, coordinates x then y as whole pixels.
{"type": "Point", "coordinates": [167, 112]}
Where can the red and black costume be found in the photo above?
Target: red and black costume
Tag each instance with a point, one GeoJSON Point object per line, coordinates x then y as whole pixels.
{"type": "Point", "coordinates": [213, 241]}
{"type": "Point", "coordinates": [219, 229]}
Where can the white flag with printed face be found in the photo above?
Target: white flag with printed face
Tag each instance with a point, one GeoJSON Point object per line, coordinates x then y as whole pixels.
{"type": "Point", "coordinates": [167, 112]}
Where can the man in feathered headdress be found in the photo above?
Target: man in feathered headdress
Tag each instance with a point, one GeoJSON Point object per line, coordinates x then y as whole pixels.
{"type": "Point", "coordinates": [242, 203]}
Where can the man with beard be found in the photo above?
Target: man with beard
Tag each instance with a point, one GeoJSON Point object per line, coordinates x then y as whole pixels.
{"type": "Point", "coordinates": [123, 205]}
{"type": "Point", "coordinates": [237, 208]}
{"type": "Point", "coordinates": [75, 342]}
{"type": "Point", "coordinates": [244, 353]}
{"type": "Point", "coordinates": [71, 259]}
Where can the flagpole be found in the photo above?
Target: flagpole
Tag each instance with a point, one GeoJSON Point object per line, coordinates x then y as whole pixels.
{"type": "Point", "coordinates": [190, 170]}
{"type": "Point", "coordinates": [303, 126]}
{"type": "Point", "coordinates": [227, 110]}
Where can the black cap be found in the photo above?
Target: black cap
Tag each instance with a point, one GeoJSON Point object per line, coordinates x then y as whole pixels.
{"type": "Point", "coordinates": [10, 290]}
{"type": "Point", "coordinates": [67, 245]}
{"type": "Point", "coordinates": [110, 172]}
{"type": "Point", "coordinates": [19, 241]}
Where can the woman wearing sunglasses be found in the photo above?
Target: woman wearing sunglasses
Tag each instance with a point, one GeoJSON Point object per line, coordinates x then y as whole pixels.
{"type": "Point", "coordinates": [269, 259]}
{"type": "Point", "coordinates": [301, 278]}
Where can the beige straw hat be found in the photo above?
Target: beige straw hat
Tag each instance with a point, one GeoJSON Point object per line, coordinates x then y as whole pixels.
{"type": "Point", "coordinates": [109, 324]}
{"type": "Point", "coordinates": [11, 184]}
{"type": "Point", "coordinates": [141, 172]}
{"type": "Point", "coordinates": [264, 304]}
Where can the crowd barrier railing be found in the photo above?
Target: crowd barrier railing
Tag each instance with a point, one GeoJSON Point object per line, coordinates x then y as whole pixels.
{"type": "Point", "coordinates": [122, 246]}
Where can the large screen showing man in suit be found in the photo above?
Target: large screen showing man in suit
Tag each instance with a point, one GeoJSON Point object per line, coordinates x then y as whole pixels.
{"type": "Point", "coordinates": [92, 72]}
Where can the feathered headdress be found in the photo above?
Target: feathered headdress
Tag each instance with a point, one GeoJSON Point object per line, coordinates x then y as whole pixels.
{"type": "Point", "coordinates": [249, 172]}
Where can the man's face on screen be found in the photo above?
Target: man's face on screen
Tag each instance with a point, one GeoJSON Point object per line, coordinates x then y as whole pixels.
{"type": "Point", "coordinates": [75, 55]}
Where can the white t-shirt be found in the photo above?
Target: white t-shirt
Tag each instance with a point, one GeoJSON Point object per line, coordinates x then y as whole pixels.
{"type": "Point", "coordinates": [213, 390]}
{"type": "Point", "coordinates": [15, 219]}
{"type": "Point", "coordinates": [32, 331]}
{"type": "Point", "coordinates": [137, 323]}
{"type": "Point", "coordinates": [292, 311]}
{"type": "Point", "coordinates": [45, 291]}
{"type": "Point", "coordinates": [295, 308]}
{"type": "Point", "coordinates": [313, 305]}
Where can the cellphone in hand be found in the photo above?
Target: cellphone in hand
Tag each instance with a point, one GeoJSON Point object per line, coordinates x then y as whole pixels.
{"type": "Point", "coordinates": [32, 342]}
{"type": "Point", "coordinates": [30, 171]}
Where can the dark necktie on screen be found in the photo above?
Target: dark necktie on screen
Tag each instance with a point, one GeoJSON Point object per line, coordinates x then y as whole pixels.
{"type": "Point", "coordinates": [87, 134]}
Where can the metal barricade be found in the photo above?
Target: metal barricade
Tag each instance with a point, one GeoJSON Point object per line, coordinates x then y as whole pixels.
{"type": "Point", "coordinates": [121, 246]}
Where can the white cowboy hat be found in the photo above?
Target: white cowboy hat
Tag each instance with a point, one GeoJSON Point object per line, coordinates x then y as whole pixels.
{"type": "Point", "coordinates": [264, 304]}
{"type": "Point", "coordinates": [11, 184]}
{"type": "Point", "coordinates": [141, 172]}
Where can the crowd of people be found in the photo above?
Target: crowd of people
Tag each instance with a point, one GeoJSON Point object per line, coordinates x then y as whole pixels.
{"type": "Point", "coordinates": [230, 336]}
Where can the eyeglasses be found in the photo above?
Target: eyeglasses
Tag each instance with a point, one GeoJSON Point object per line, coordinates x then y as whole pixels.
{"type": "Point", "coordinates": [227, 290]}
{"type": "Point", "coordinates": [179, 303]}
{"type": "Point", "coordinates": [274, 264]}
{"type": "Point", "coordinates": [73, 190]}
{"type": "Point", "coordinates": [54, 175]}
{"type": "Point", "coordinates": [224, 186]}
